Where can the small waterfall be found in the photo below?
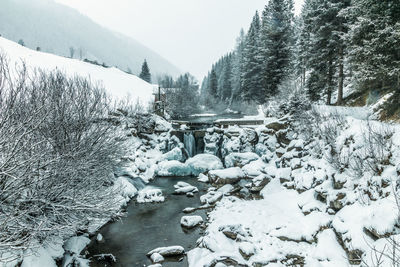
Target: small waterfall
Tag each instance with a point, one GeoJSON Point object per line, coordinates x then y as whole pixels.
{"type": "Point", "coordinates": [190, 143]}
{"type": "Point", "coordinates": [136, 181]}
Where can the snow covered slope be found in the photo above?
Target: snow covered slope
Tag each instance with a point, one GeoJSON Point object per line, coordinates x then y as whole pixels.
{"type": "Point", "coordinates": [116, 82]}
{"type": "Point", "coordinates": [55, 28]}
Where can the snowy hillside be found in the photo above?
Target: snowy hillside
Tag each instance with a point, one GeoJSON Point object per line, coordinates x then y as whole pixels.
{"type": "Point", "coordinates": [117, 83]}
{"type": "Point", "coordinates": [55, 28]}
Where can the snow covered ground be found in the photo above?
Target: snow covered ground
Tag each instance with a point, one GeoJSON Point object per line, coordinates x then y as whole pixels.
{"type": "Point", "coordinates": [317, 208]}
{"type": "Point", "coordinates": [117, 83]}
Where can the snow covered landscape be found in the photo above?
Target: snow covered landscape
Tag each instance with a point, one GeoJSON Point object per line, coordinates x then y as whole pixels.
{"type": "Point", "coordinates": [286, 153]}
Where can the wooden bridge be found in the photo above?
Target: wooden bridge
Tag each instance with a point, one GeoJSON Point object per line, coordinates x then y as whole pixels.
{"type": "Point", "coordinates": [219, 123]}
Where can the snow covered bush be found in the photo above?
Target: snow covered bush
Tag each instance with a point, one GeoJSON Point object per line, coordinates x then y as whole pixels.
{"type": "Point", "coordinates": [57, 153]}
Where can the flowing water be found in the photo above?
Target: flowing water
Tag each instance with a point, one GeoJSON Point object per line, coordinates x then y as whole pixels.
{"type": "Point", "coordinates": [190, 144]}
{"type": "Point", "coordinates": [148, 226]}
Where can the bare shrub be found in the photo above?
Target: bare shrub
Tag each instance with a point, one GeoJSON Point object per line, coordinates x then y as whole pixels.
{"type": "Point", "coordinates": [56, 156]}
{"type": "Point", "coordinates": [377, 151]}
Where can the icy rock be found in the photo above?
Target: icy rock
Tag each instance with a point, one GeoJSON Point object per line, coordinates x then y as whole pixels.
{"type": "Point", "coordinates": [202, 178]}
{"type": "Point", "coordinates": [168, 251]}
{"type": "Point", "coordinates": [240, 159]}
{"type": "Point", "coordinates": [191, 221]}
{"type": "Point", "coordinates": [173, 168]}
{"type": "Point", "coordinates": [203, 163]}
{"type": "Point", "coordinates": [76, 244]}
{"type": "Point", "coordinates": [156, 258]}
{"type": "Point", "coordinates": [174, 154]}
{"type": "Point", "coordinates": [150, 195]}
{"type": "Point", "coordinates": [226, 176]}
{"type": "Point", "coordinates": [211, 197]}
{"type": "Point", "coordinates": [155, 265]}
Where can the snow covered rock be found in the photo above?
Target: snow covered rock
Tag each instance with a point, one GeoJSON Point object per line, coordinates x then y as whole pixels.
{"type": "Point", "coordinates": [202, 163]}
{"type": "Point", "coordinates": [173, 168]}
{"type": "Point", "coordinates": [150, 195]}
{"type": "Point", "coordinates": [156, 258]}
{"type": "Point", "coordinates": [254, 168]}
{"type": "Point", "coordinates": [226, 176]}
{"type": "Point", "coordinates": [168, 251]}
{"type": "Point", "coordinates": [202, 178]}
{"type": "Point", "coordinates": [247, 250]}
{"type": "Point", "coordinates": [185, 188]}
{"type": "Point", "coordinates": [174, 154]}
{"type": "Point", "coordinates": [226, 189]}
{"type": "Point", "coordinates": [259, 183]}
{"type": "Point", "coordinates": [76, 244]}
{"type": "Point", "coordinates": [277, 125]}
{"type": "Point", "coordinates": [211, 197]}
{"type": "Point", "coordinates": [100, 238]}
{"type": "Point", "coordinates": [161, 125]}
{"type": "Point", "coordinates": [191, 221]}
{"type": "Point", "coordinates": [155, 265]}
{"type": "Point", "coordinates": [240, 159]}
{"type": "Point", "coordinates": [126, 189]}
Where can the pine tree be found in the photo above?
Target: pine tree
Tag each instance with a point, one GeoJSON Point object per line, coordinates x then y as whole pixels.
{"type": "Point", "coordinates": [251, 76]}
{"type": "Point", "coordinates": [375, 42]}
{"type": "Point", "coordinates": [213, 84]}
{"type": "Point", "coordinates": [324, 21]}
{"type": "Point", "coordinates": [145, 74]}
{"type": "Point", "coordinates": [224, 84]}
{"type": "Point", "coordinates": [276, 44]}
{"type": "Point", "coordinates": [237, 66]}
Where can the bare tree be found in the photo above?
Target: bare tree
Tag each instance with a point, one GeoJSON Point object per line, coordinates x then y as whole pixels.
{"type": "Point", "coordinates": [57, 154]}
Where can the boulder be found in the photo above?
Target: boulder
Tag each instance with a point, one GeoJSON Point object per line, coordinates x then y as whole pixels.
{"type": "Point", "coordinates": [277, 125]}
{"type": "Point", "coordinates": [259, 183]}
{"type": "Point", "coordinates": [168, 251]}
{"type": "Point", "coordinates": [191, 221]}
{"type": "Point", "coordinates": [202, 163]}
{"type": "Point", "coordinates": [226, 176]}
{"type": "Point", "coordinates": [240, 159]}
{"type": "Point", "coordinates": [174, 154]}
{"type": "Point", "coordinates": [156, 258]}
{"type": "Point", "coordinates": [185, 188]}
{"type": "Point", "coordinates": [211, 197]}
{"type": "Point", "coordinates": [173, 168]}
{"type": "Point", "coordinates": [150, 195]}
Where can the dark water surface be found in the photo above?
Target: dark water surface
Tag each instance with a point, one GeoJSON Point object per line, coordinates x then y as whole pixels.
{"type": "Point", "coordinates": [148, 226]}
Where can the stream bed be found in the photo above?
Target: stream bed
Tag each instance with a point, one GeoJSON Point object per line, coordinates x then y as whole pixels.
{"type": "Point", "coordinates": [148, 226]}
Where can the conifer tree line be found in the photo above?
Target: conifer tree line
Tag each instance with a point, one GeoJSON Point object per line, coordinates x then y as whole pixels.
{"type": "Point", "coordinates": [332, 45]}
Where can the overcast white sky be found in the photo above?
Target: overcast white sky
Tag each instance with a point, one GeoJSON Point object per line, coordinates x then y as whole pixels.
{"type": "Point", "coordinates": [192, 34]}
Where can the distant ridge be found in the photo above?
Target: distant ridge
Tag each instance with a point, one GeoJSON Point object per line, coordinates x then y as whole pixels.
{"type": "Point", "coordinates": [55, 28]}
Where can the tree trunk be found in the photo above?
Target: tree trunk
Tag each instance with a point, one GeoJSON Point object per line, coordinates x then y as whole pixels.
{"type": "Point", "coordinates": [341, 77]}
{"type": "Point", "coordinates": [329, 89]}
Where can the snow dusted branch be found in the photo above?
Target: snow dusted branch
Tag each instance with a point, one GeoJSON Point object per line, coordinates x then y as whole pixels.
{"type": "Point", "coordinates": [57, 152]}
